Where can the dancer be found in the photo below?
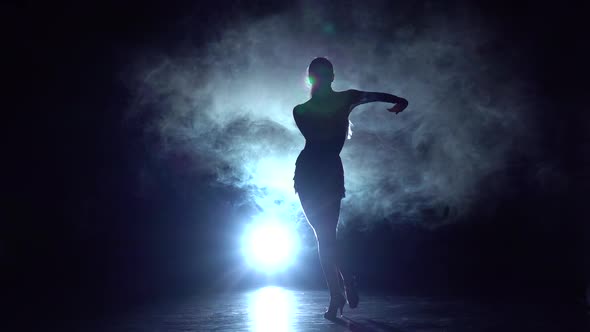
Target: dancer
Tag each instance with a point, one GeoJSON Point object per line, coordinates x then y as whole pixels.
{"type": "Point", "coordinates": [319, 176]}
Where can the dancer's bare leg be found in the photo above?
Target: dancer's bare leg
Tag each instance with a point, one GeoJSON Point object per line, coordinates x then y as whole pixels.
{"type": "Point", "coordinates": [323, 218]}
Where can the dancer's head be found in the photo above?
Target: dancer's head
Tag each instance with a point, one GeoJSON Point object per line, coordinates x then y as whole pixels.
{"type": "Point", "coordinates": [321, 73]}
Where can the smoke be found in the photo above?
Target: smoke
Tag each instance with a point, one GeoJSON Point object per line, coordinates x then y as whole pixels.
{"type": "Point", "coordinates": [229, 104]}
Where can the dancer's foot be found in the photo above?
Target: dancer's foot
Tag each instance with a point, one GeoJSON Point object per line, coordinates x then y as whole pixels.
{"type": "Point", "coordinates": [352, 294]}
{"type": "Point", "coordinates": [337, 301]}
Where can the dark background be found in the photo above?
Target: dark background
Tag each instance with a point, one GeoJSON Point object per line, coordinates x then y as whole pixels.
{"type": "Point", "coordinates": [78, 236]}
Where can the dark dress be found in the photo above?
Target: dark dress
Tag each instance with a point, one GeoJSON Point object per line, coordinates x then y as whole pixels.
{"type": "Point", "coordinates": [324, 124]}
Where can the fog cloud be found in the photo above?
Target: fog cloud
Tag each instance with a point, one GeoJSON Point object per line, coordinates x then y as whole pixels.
{"type": "Point", "coordinates": [229, 104]}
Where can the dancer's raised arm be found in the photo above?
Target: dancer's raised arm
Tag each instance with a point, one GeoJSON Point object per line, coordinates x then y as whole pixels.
{"type": "Point", "coordinates": [363, 97]}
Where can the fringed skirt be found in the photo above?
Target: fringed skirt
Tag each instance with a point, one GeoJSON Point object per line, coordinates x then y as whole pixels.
{"type": "Point", "coordinates": [319, 176]}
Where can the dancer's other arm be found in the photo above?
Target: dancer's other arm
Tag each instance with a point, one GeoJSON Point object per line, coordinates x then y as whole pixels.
{"type": "Point", "coordinates": [363, 97]}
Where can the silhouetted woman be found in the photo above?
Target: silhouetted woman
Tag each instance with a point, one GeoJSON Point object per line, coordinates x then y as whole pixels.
{"type": "Point", "coordinates": [319, 176]}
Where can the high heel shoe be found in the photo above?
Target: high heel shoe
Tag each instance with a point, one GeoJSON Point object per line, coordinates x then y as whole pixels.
{"type": "Point", "coordinates": [352, 295]}
{"type": "Point", "coordinates": [337, 301]}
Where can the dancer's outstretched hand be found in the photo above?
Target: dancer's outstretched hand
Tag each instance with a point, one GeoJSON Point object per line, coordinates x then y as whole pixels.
{"type": "Point", "coordinates": [399, 106]}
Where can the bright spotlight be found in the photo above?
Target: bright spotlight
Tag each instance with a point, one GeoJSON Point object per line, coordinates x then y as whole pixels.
{"type": "Point", "coordinates": [270, 246]}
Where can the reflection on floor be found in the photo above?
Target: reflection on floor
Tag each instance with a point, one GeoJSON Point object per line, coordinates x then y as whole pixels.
{"type": "Point", "coordinates": [277, 309]}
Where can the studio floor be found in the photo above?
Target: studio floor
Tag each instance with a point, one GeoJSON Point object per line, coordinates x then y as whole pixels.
{"type": "Point", "coordinates": [278, 309]}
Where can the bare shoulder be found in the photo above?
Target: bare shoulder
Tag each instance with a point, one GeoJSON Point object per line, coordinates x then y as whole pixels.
{"type": "Point", "coordinates": [300, 109]}
{"type": "Point", "coordinates": [297, 112]}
